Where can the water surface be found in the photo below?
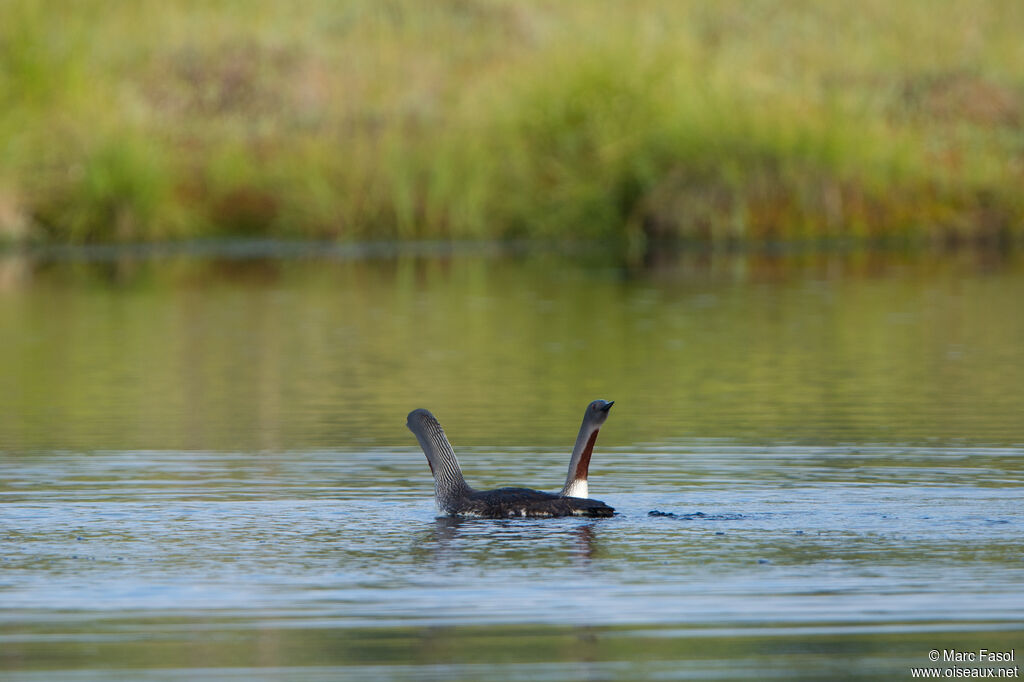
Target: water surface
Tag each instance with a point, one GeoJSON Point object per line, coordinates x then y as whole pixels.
{"type": "Point", "coordinates": [205, 471]}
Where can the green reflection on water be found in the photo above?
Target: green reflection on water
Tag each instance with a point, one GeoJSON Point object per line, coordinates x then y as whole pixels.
{"type": "Point", "coordinates": [501, 652]}
{"type": "Point", "coordinates": [189, 352]}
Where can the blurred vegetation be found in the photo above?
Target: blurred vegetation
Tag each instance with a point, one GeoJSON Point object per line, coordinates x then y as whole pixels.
{"type": "Point", "coordinates": [377, 119]}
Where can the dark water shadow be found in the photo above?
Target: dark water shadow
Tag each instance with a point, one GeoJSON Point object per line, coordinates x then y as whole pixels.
{"type": "Point", "coordinates": [698, 516]}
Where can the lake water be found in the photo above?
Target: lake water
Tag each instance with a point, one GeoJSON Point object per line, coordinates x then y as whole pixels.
{"type": "Point", "coordinates": [205, 471]}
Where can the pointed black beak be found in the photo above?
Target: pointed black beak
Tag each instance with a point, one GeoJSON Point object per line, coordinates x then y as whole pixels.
{"type": "Point", "coordinates": [607, 405]}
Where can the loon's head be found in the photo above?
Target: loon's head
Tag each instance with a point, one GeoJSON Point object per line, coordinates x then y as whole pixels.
{"type": "Point", "coordinates": [597, 412]}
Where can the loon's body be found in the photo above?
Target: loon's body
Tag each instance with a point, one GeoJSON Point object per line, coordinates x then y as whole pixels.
{"type": "Point", "coordinates": [579, 463]}
{"type": "Point", "coordinates": [455, 498]}
{"type": "Point", "coordinates": [525, 502]}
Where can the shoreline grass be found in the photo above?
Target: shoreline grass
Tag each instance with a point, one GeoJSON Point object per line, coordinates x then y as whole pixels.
{"type": "Point", "coordinates": [728, 122]}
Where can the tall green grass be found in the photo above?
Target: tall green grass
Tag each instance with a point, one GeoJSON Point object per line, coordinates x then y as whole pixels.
{"type": "Point", "coordinates": [728, 122]}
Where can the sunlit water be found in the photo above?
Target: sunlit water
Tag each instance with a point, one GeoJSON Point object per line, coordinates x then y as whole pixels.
{"type": "Point", "coordinates": [205, 472]}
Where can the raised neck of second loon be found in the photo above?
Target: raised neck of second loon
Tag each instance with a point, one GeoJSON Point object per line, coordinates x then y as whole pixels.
{"type": "Point", "coordinates": [449, 484]}
{"type": "Point", "coordinates": [579, 462]}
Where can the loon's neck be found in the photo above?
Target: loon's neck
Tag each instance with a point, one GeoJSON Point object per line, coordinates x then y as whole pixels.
{"type": "Point", "coordinates": [449, 485]}
{"type": "Point", "coordinates": [579, 463]}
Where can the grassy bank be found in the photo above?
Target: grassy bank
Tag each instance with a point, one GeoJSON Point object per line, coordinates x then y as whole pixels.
{"type": "Point", "coordinates": [727, 121]}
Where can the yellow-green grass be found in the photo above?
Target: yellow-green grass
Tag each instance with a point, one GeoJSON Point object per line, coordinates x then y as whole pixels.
{"type": "Point", "coordinates": [729, 121]}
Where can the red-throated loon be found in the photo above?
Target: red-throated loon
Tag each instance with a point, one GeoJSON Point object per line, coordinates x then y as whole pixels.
{"type": "Point", "coordinates": [455, 498]}
{"type": "Point", "coordinates": [579, 463]}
